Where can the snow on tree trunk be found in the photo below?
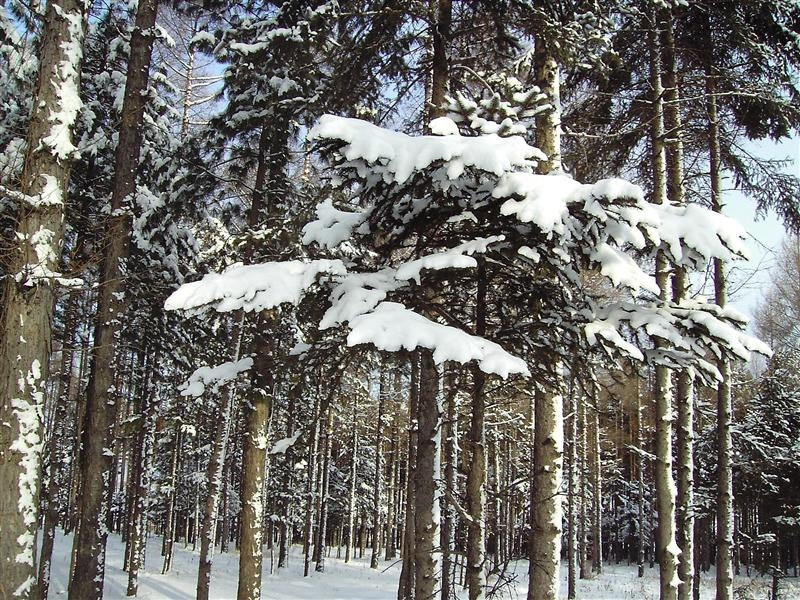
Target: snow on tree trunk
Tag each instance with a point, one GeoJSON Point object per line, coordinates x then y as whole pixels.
{"type": "Point", "coordinates": [214, 473]}
{"type": "Point", "coordinates": [597, 487]}
{"type": "Point", "coordinates": [724, 577]}
{"type": "Point", "coordinates": [405, 588]}
{"type": "Point", "coordinates": [476, 475]}
{"type": "Point", "coordinates": [378, 476]}
{"type": "Point", "coordinates": [548, 444]}
{"type": "Point", "coordinates": [450, 450]}
{"type": "Point", "coordinates": [667, 549]}
{"type": "Point", "coordinates": [101, 403]}
{"type": "Point", "coordinates": [684, 396]}
{"type": "Point", "coordinates": [351, 489]}
{"type": "Point", "coordinates": [548, 458]}
{"type": "Point", "coordinates": [572, 493]}
{"type": "Point", "coordinates": [324, 486]}
{"type": "Point", "coordinates": [254, 454]}
{"type": "Point", "coordinates": [31, 274]}
{"type": "Point", "coordinates": [171, 517]}
{"type": "Point", "coordinates": [426, 525]}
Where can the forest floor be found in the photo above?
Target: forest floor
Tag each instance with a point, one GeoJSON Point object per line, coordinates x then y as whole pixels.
{"type": "Point", "coordinates": [356, 581]}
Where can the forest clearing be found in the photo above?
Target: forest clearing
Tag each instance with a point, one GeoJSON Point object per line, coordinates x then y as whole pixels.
{"type": "Point", "coordinates": [413, 300]}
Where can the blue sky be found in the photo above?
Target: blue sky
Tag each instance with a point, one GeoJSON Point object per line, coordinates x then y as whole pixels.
{"type": "Point", "coordinates": [750, 278]}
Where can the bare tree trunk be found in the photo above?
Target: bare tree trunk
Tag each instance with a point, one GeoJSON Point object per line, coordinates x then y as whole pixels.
{"type": "Point", "coordinates": [667, 549]}
{"type": "Point", "coordinates": [597, 487]}
{"type": "Point", "coordinates": [322, 529]}
{"type": "Point", "coordinates": [351, 490]}
{"type": "Point", "coordinates": [547, 461]}
{"type": "Point", "coordinates": [31, 275]}
{"type": "Point", "coordinates": [214, 479]}
{"type": "Point", "coordinates": [548, 443]}
{"type": "Point", "coordinates": [583, 561]}
{"type": "Point", "coordinates": [426, 522]}
{"type": "Point", "coordinates": [405, 589]}
{"type": "Point", "coordinates": [391, 512]}
{"type": "Point", "coordinates": [254, 455]}
{"type": "Point", "coordinates": [724, 401]}
{"type": "Point", "coordinates": [57, 434]}
{"type": "Point", "coordinates": [169, 529]}
{"type": "Point", "coordinates": [476, 476]}
{"type": "Point", "coordinates": [139, 481]}
{"type": "Point", "coordinates": [90, 541]}
{"type": "Point", "coordinates": [572, 548]}
{"type": "Point", "coordinates": [311, 487]}
{"type": "Point", "coordinates": [378, 479]}
{"type": "Point", "coordinates": [450, 448]}
{"type": "Point", "coordinates": [640, 483]}
{"type": "Point", "coordinates": [683, 379]}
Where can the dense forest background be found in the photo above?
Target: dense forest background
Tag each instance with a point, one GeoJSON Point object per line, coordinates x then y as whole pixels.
{"type": "Point", "coordinates": [403, 329]}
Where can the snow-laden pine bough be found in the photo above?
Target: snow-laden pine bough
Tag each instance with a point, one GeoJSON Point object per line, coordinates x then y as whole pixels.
{"type": "Point", "coordinates": [422, 207]}
{"type": "Point", "coordinates": [432, 220]}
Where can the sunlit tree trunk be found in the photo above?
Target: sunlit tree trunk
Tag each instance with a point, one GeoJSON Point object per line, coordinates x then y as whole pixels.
{"type": "Point", "coordinates": [28, 289]}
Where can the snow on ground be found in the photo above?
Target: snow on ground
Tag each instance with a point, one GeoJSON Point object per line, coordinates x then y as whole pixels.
{"type": "Point", "coordinates": [354, 581]}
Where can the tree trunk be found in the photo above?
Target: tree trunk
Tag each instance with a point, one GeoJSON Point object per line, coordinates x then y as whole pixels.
{"type": "Point", "coordinates": [450, 448]}
{"type": "Point", "coordinates": [254, 455]}
{"type": "Point", "coordinates": [351, 490]}
{"type": "Point", "coordinates": [426, 517]}
{"type": "Point", "coordinates": [476, 442]}
{"type": "Point", "coordinates": [405, 589]}
{"type": "Point", "coordinates": [214, 479]}
{"type": "Point", "coordinates": [378, 479]}
{"type": "Point", "coordinates": [667, 549]}
{"type": "Point", "coordinates": [392, 509]}
{"type": "Point", "coordinates": [597, 487]}
{"type": "Point", "coordinates": [311, 486]}
{"type": "Point", "coordinates": [169, 528]}
{"type": "Point", "coordinates": [684, 396]}
{"type": "Point", "coordinates": [322, 529]}
{"type": "Point", "coordinates": [28, 289]}
{"type": "Point", "coordinates": [57, 434]}
{"type": "Point", "coordinates": [640, 484]}
{"type": "Point", "coordinates": [547, 463]}
{"type": "Point", "coordinates": [724, 577]}
{"type": "Point", "coordinates": [90, 540]}
{"type": "Point", "coordinates": [572, 548]}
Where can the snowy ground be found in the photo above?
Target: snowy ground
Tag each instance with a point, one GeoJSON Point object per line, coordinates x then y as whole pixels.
{"type": "Point", "coordinates": [354, 581]}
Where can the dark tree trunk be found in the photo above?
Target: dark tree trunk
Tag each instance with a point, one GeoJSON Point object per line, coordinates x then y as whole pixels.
{"type": "Point", "coordinates": [90, 541]}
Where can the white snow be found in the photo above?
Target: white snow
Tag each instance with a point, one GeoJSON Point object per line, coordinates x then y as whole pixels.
{"type": "Point", "coordinates": [393, 327]}
{"type": "Point", "coordinates": [351, 581]}
{"type": "Point", "coordinates": [396, 156]}
{"type": "Point", "coordinates": [59, 139]}
{"type": "Point", "coordinates": [332, 226]}
{"type": "Point", "coordinates": [215, 376]}
{"type": "Point", "coordinates": [252, 287]}
{"type": "Point", "coordinates": [282, 445]}
{"type": "Point", "coordinates": [458, 257]}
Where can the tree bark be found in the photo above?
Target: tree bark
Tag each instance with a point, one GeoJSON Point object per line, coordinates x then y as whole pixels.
{"type": "Point", "coordinates": [28, 290]}
{"type": "Point", "coordinates": [214, 478]}
{"type": "Point", "coordinates": [426, 517]}
{"type": "Point", "coordinates": [90, 540]}
{"type": "Point", "coordinates": [322, 520]}
{"type": "Point", "coordinates": [254, 455]}
{"type": "Point", "coordinates": [548, 465]}
{"type": "Point", "coordinates": [378, 478]}
{"type": "Point", "coordinates": [724, 578]}
{"type": "Point", "coordinates": [476, 441]}
{"type": "Point", "coordinates": [405, 589]}
{"type": "Point", "coordinates": [667, 549]}
{"type": "Point", "coordinates": [351, 490]}
{"type": "Point", "coordinates": [572, 548]}
{"type": "Point", "coordinates": [684, 397]}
